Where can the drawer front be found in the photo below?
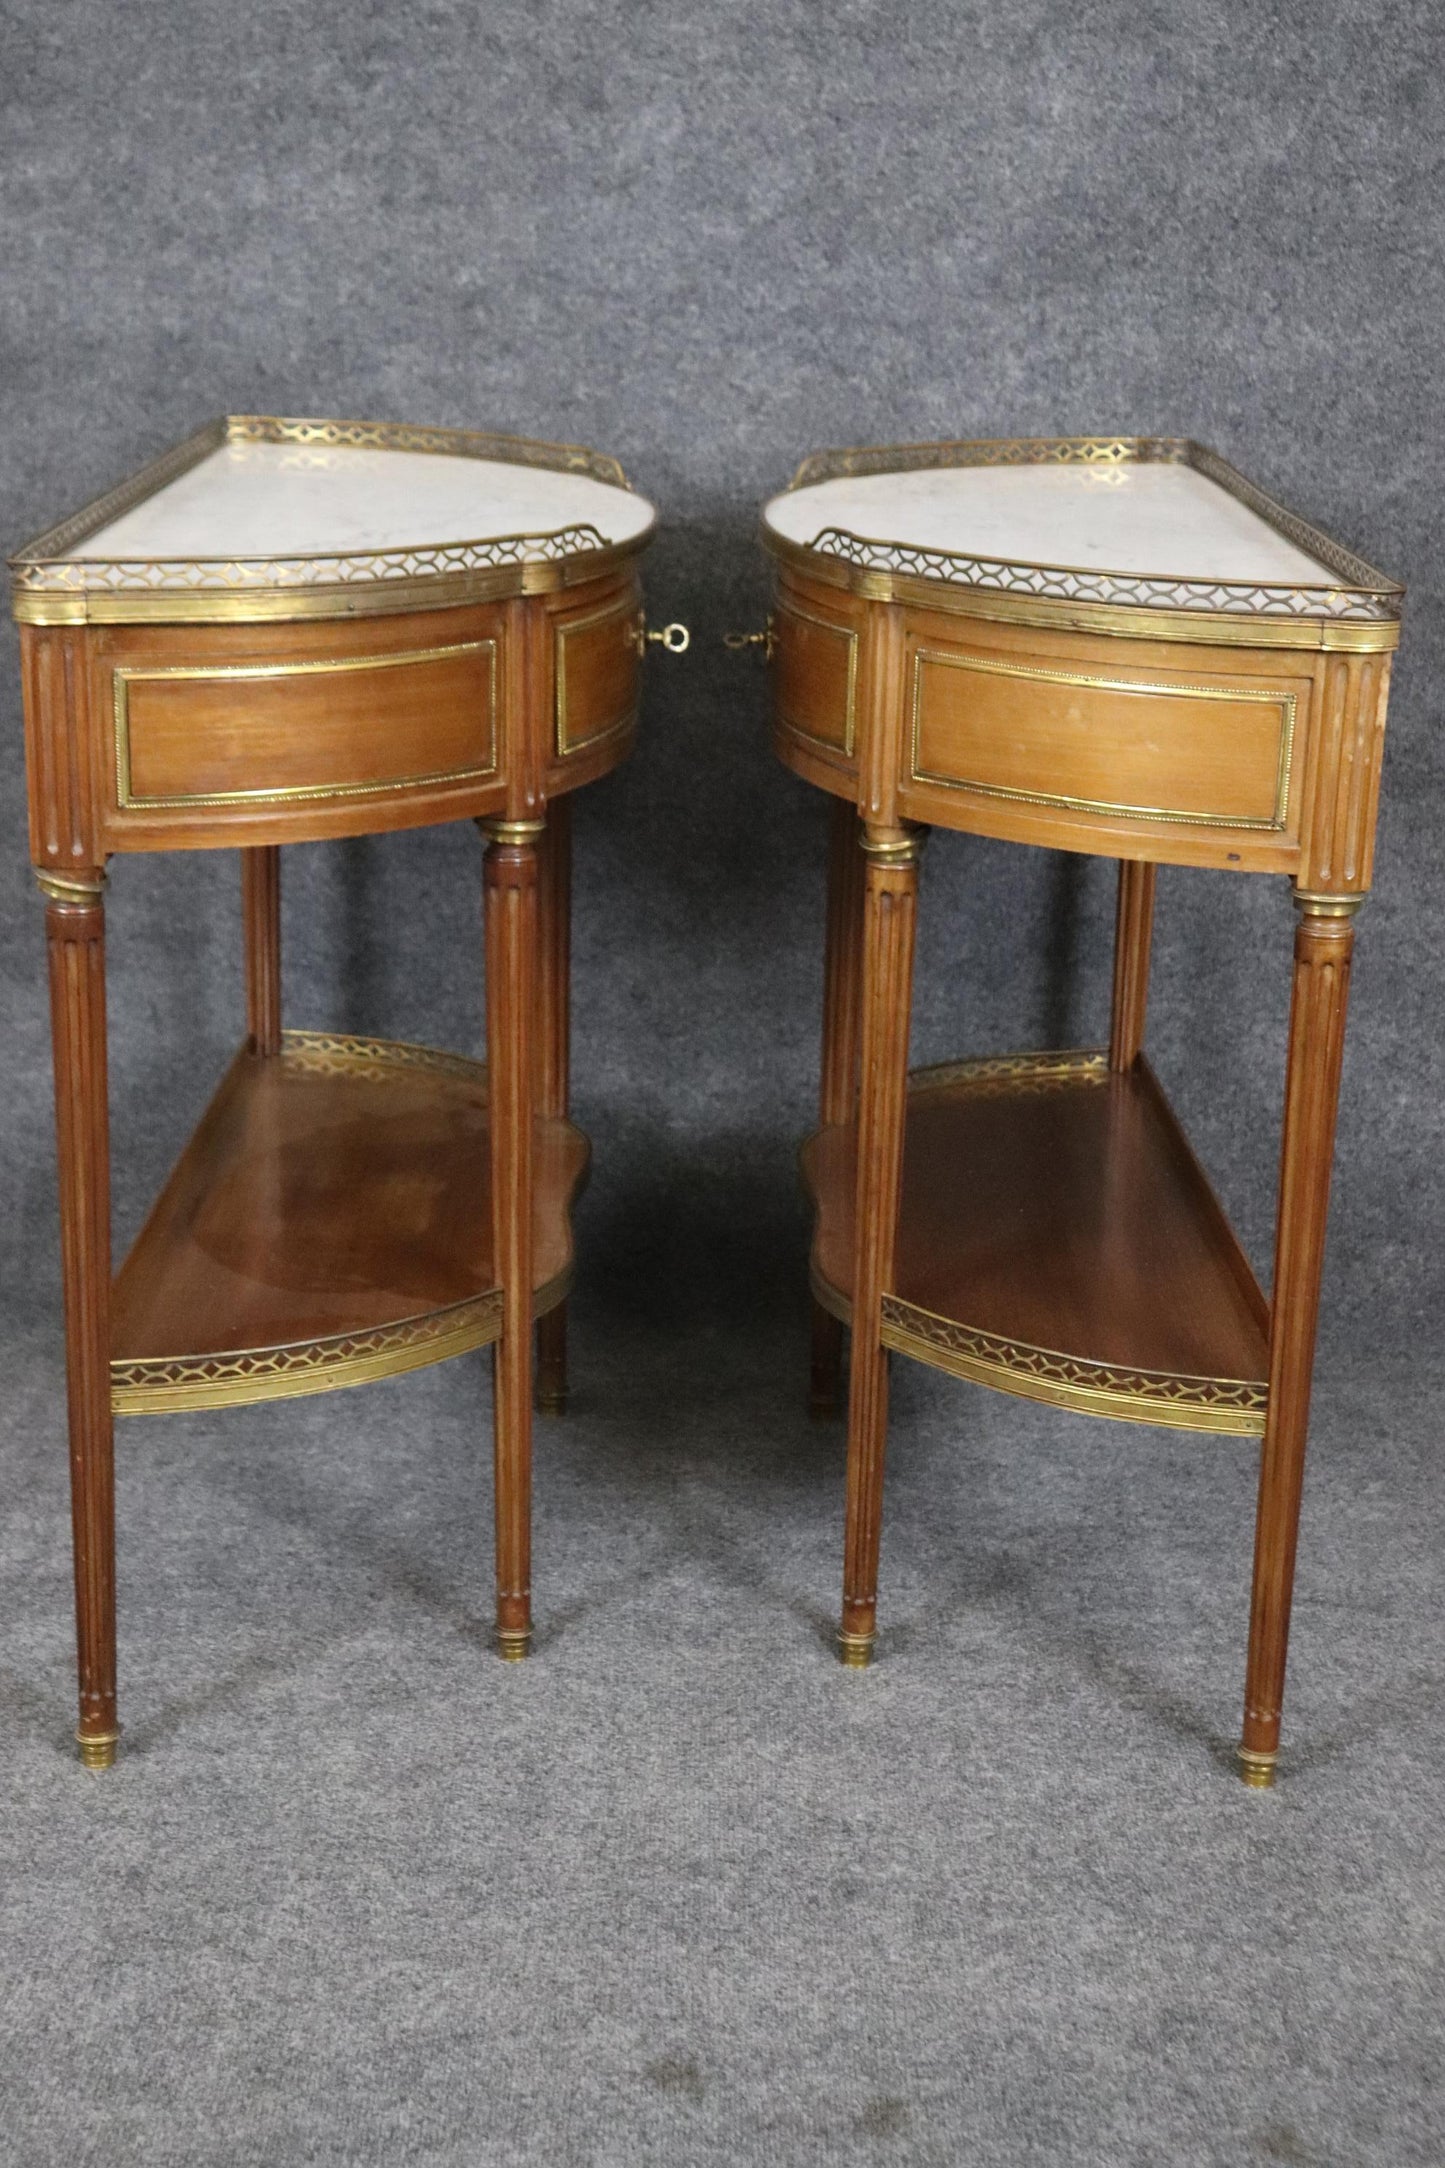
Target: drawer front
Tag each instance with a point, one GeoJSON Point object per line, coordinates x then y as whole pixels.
{"type": "Point", "coordinates": [815, 665]}
{"type": "Point", "coordinates": [597, 669]}
{"type": "Point", "coordinates": [271, 734]}
{"type": "Point", "coordinates": [1095, 742]}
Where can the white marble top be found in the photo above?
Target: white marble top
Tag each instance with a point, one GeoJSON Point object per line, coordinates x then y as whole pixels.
{"type": "Point", "coordinates": [1153, 520]}
{"type": "Point", "coordinates": [267, 501]}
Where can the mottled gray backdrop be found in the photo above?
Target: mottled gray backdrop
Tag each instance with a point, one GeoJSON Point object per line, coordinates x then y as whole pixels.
{"type": "Point", "coordinates": [708, 239]}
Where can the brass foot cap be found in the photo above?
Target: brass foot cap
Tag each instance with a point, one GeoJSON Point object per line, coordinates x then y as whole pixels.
{"type": "Point", "coordinates": [1256, 1769]}
{"type": "Point", "coordinates": [855, 1650]}
{"type": "Point", "coordinates": [513, 1643]}
{"type": "Point", "coordinates": [552, 1403]}
{"type": "Point", "coordinates": [97, 1749]}
{"type": "Point", "coordinates": [823, 1404]}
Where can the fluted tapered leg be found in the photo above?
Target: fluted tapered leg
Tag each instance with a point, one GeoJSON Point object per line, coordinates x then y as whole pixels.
{"type": "Point", "coordinates": [75, 937]}
{"type": "Point", "coordinates": [261, 916]}
{"type": "Point", "coordinates": [1324, 941]}
{"type": "Point", "coordinates": [511, 926]}
{"type": "Point", "coordinates": [890, 896]}
{"type": "Point", "coordinates": [554, 945]}
{"type": "Point", "coordinates": [838, 1091]}
{"type": "Point", "coordinates": [1133, 937]}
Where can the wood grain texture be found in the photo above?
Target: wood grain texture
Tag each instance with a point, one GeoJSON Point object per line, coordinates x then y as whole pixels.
{"type": "Point", "coordinates": [313, 1202]}
{"type": "Point", "coordinates": [1083, 1224]}
{"type": "Point", "coordinates": [596, 674]}
{"type": "Point", "coordinates": [314, 729]}
{"type": "Point", "coordinates": [61, 749]}
{"type": "Point", "coordinates": [1160, 744]}
{"type": "Point", "coordinates": [838, 1094]}
{"type": "Point", "coordinates": [1072, 1216]}
{"type": "Point", "coordinates": [75, 937]}
{"type": "Point", "coordinates": [554, 961]}
{"type": "Point", "coordinates": [1133, 939]}
{"type": "Point", "coordinates": [890, 895]}
{"type": "Point", "coordinates": [511, 950]}
{"type": "Point", "coordinates": [1342, 791]}
{"type": "Point", "coordinates": [815, 679]}
{"type": "Point", "coordinates": [1324, 946]}
{"type": "Point", "coordinates": [261, 924]}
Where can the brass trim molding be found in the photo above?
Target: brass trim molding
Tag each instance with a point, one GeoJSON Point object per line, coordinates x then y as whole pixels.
{"type": "Point", "coordinates": [69, 887]}
{"type": "Point", "coordinates": [511, 834]}
{"type": "Point", "coordinates": [1359, 592]}
{"type": "Point", "coordinates": [786, 607]}
{"type": "Point", "coordinates": [626, 611]}
{"type": "Point", "coordinates": [1034, 674]}
{"type": "Point", "coordinates": [1232, 1406]}
{"type": "Point", "coordinates": [1006, 1075]}
{"type": "Point", "coordinates": [336, 1053]}
{"type": "Point", "coordinates": [292, 794]}
{"type": "Point", "coordinates": [240, 1377]}
{"type": "Point", "coordinates": [891, 847]}
{"type": "Point", "coordinates": [237, 1377]}
{"type": "Point", "coordinates": [50, 586]}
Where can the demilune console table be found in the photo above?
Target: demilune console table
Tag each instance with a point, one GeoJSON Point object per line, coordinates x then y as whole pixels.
{"type": "Point", "coordinates": [278, 632]}
{"type": "Point", "coordinates": [1108, 645]}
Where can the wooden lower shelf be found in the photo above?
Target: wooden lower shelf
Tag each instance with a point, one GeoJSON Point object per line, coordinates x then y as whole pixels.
{"type": "Point", "coordinates": [328, 1223]}
{"type": "Point", "coordinates": [1057, 1239]}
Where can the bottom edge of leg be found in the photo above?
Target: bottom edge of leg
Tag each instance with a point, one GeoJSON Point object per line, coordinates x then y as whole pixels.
{"type": "Point", "coordinates": [1256, 1769]}
{"type": "Point", "coordinates": [97, 1748]}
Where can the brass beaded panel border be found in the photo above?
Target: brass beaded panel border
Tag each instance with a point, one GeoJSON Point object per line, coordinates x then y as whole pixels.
{"type": "Point", "coordinates": [1037, 674]}
{"type": "Point", "coordinates": [271, 672]}
{"type": "Point", "coordinates": [1362, 593]}
{"type": "Point", "coordinates": [157, 1384]}
{"type": "Point", "coordinates": [50, 586]}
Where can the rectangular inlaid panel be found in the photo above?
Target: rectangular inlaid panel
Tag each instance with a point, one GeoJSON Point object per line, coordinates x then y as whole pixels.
{"type": "Point", "coordinates": [597, 657]}
{"type": "Point", "coordinates": [816, 673]}
{"type": "Point", "coordinates": [274, 733]}
{"type": "Point", "coordinates": [1101, 741]}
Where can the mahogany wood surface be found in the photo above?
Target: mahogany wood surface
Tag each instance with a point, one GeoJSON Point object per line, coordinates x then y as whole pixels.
{"type": "Point", "coordinates": [1133, 939]}
{"type": "Point", "coordinates": [837, 1098]}
{"type": "Point", "coordinates": [1324, 944]}
{"type": "Point", "coordinates": [890, 901]}
{"type": "Point", "coordinates": [1059, 715]}
{"type": "Point", "coordinates": [75, 935]}
{"type": "Point", "coordinates": [309, 1204]}
{"type": "Point", "coordinates": [512, 990]}
{"type": "Point", "coordinates": [554, 962]}
{"type": "Point", "coordinates": [261, 924]}
{"type": "Point", "coordinates": [1072, 1217]}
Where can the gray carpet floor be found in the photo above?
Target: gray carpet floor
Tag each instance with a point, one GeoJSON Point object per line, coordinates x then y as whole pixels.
{"type": "Point", "coordinates": [680, 1889]}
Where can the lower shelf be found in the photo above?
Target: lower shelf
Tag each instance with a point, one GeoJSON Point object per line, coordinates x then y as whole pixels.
{"type": "Point", "coordinates": [1057, 1239]}
{"type": "Point", "coordinates": [328, 1223]}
